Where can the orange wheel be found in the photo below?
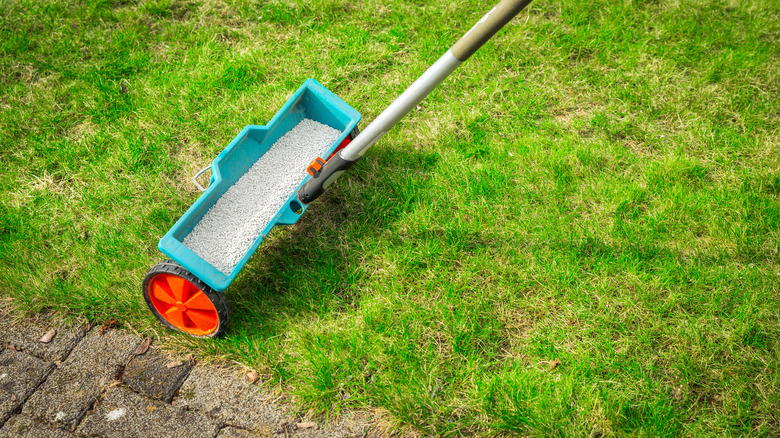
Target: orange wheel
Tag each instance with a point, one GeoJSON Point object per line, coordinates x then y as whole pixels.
{"type": "Point", "coordinates": [184, 303]}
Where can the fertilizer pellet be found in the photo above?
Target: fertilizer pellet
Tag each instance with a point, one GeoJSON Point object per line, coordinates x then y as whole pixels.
{"type": "Point", "coordinates": [234, 222]}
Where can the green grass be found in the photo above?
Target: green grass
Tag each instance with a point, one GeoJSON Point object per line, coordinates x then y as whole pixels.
{"type": "Point", "coordinates": [599, 184]}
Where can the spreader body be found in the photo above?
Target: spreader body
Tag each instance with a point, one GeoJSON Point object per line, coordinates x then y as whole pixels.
{"type": "Point", "coordinates": [311, 101]}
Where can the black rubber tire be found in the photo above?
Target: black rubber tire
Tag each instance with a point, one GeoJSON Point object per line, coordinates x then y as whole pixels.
{"type": "Point", "coordinates": [218, 299]}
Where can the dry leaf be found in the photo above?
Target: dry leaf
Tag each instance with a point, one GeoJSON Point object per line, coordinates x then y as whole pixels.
{"type": "Point", "coordinates": [111, 323]}
{"type": "Point", "coordinates": [251, 376]}
{"type": "Point", "coordinates": [306, 425]}
{"type": "Point", "coordinates": [554, 364]}
{"type": "Point", "coordinates": [14, 347]}
{"type": "Point", "coordinates": [173, 364]}
{"type": "Point", "coordinates": [48, 336]}
{"type": "Point", "coordinates": [143, 347]}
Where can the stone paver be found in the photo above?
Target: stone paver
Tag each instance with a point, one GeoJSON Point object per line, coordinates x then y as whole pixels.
{"type": "Point", "coordinates": [349, 425]}
{"type": "Point", "coordinates": [84, 396]}
{"type": "Point", "coordinates": [23, 426]}
{"type": "Point", "coordinates": [232, 432]}
{"type": "Point", "coordinates": [347, 428]}
{"type": "Point", "coordinates": [229, 397]}
{"type": "Point", "coordinates": [26, 334]}
{"type": "Point", "coordinates": [122, 413]}
{"type": "Point", "coordinates": [20, 374]}
{"type": "Point", "coordinates": [73, 387]}
{"type": "Point", "coordinates": [149, 374]}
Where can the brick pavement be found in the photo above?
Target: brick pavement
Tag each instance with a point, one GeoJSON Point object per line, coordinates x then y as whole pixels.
{"type": "Point", "coordinates": [92, 382]}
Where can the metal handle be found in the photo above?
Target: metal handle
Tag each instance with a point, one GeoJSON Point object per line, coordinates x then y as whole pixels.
{"type": "Point", "coordinates": [485, 28]}
{"type": "Point", "coordinates": [492, 22]}
{"type": "Point", "coordinates": [195, 178]}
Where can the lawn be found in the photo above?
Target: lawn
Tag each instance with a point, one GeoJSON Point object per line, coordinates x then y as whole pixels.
{"type": "Point", "coordinates": [576, 234]}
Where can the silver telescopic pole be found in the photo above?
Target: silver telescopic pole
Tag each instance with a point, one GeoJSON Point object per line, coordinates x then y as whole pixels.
{"type": "Point", "coordinates": [485, 28]}
{"type": "Point", "coordinates": [401, 106]}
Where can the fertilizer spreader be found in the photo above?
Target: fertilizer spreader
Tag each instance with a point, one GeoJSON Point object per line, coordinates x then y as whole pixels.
{"type": "Point", "coordinates": [266, 177]}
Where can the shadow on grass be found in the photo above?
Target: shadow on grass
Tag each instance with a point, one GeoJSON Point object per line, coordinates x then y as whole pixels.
{"type": "Point", "coordinates": [313, 266]}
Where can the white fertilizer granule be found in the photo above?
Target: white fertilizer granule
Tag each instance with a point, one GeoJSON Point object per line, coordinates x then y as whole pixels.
{"type": "Point", "coordinates": [232, 224]}
{"type": "Point", "coordinates": [115, 414]}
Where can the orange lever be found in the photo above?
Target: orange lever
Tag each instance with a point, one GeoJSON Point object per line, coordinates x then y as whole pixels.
{"type": "Point", "coordinates": [315, 167]}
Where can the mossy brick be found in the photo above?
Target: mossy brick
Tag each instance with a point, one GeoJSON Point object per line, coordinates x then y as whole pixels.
{"type": "Point", "coordinates": [122, 413]}
{"type": "Point", "coordinates": [75, 385]}
{"type": "Point", "coordinates": [20, 374]}
{"type": "Point", "coordinates": [348, 425]}
{"type": "Point", "coordinates": [251, 410]}
{"type": "Point", "coordinates": [232, 432]}
{"type": "Point", "coordinates": [150, 374]}
{"type": "Point", "coordinates": [229, 397]}
{"type": "Point", "coordinates": [26, 334]}
{"type": "Point", "coordinates": [25, 426]}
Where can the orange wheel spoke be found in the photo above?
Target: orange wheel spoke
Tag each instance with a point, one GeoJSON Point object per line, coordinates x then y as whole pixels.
{"type": "Point", "coordinates": [178, 286]}
{"type": "Point", "coordinates": [205, 321]}
{"type": "Point", "coordinates": [175, 317]}
{"type": "Point", "coordinates": [187, 322]}
{"type": "Point", "coordinates": [159, 292]}
{"type": "Point", "coordinates": [200, 301]}
{"type": "Point", "coordinates": [187, 291]}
